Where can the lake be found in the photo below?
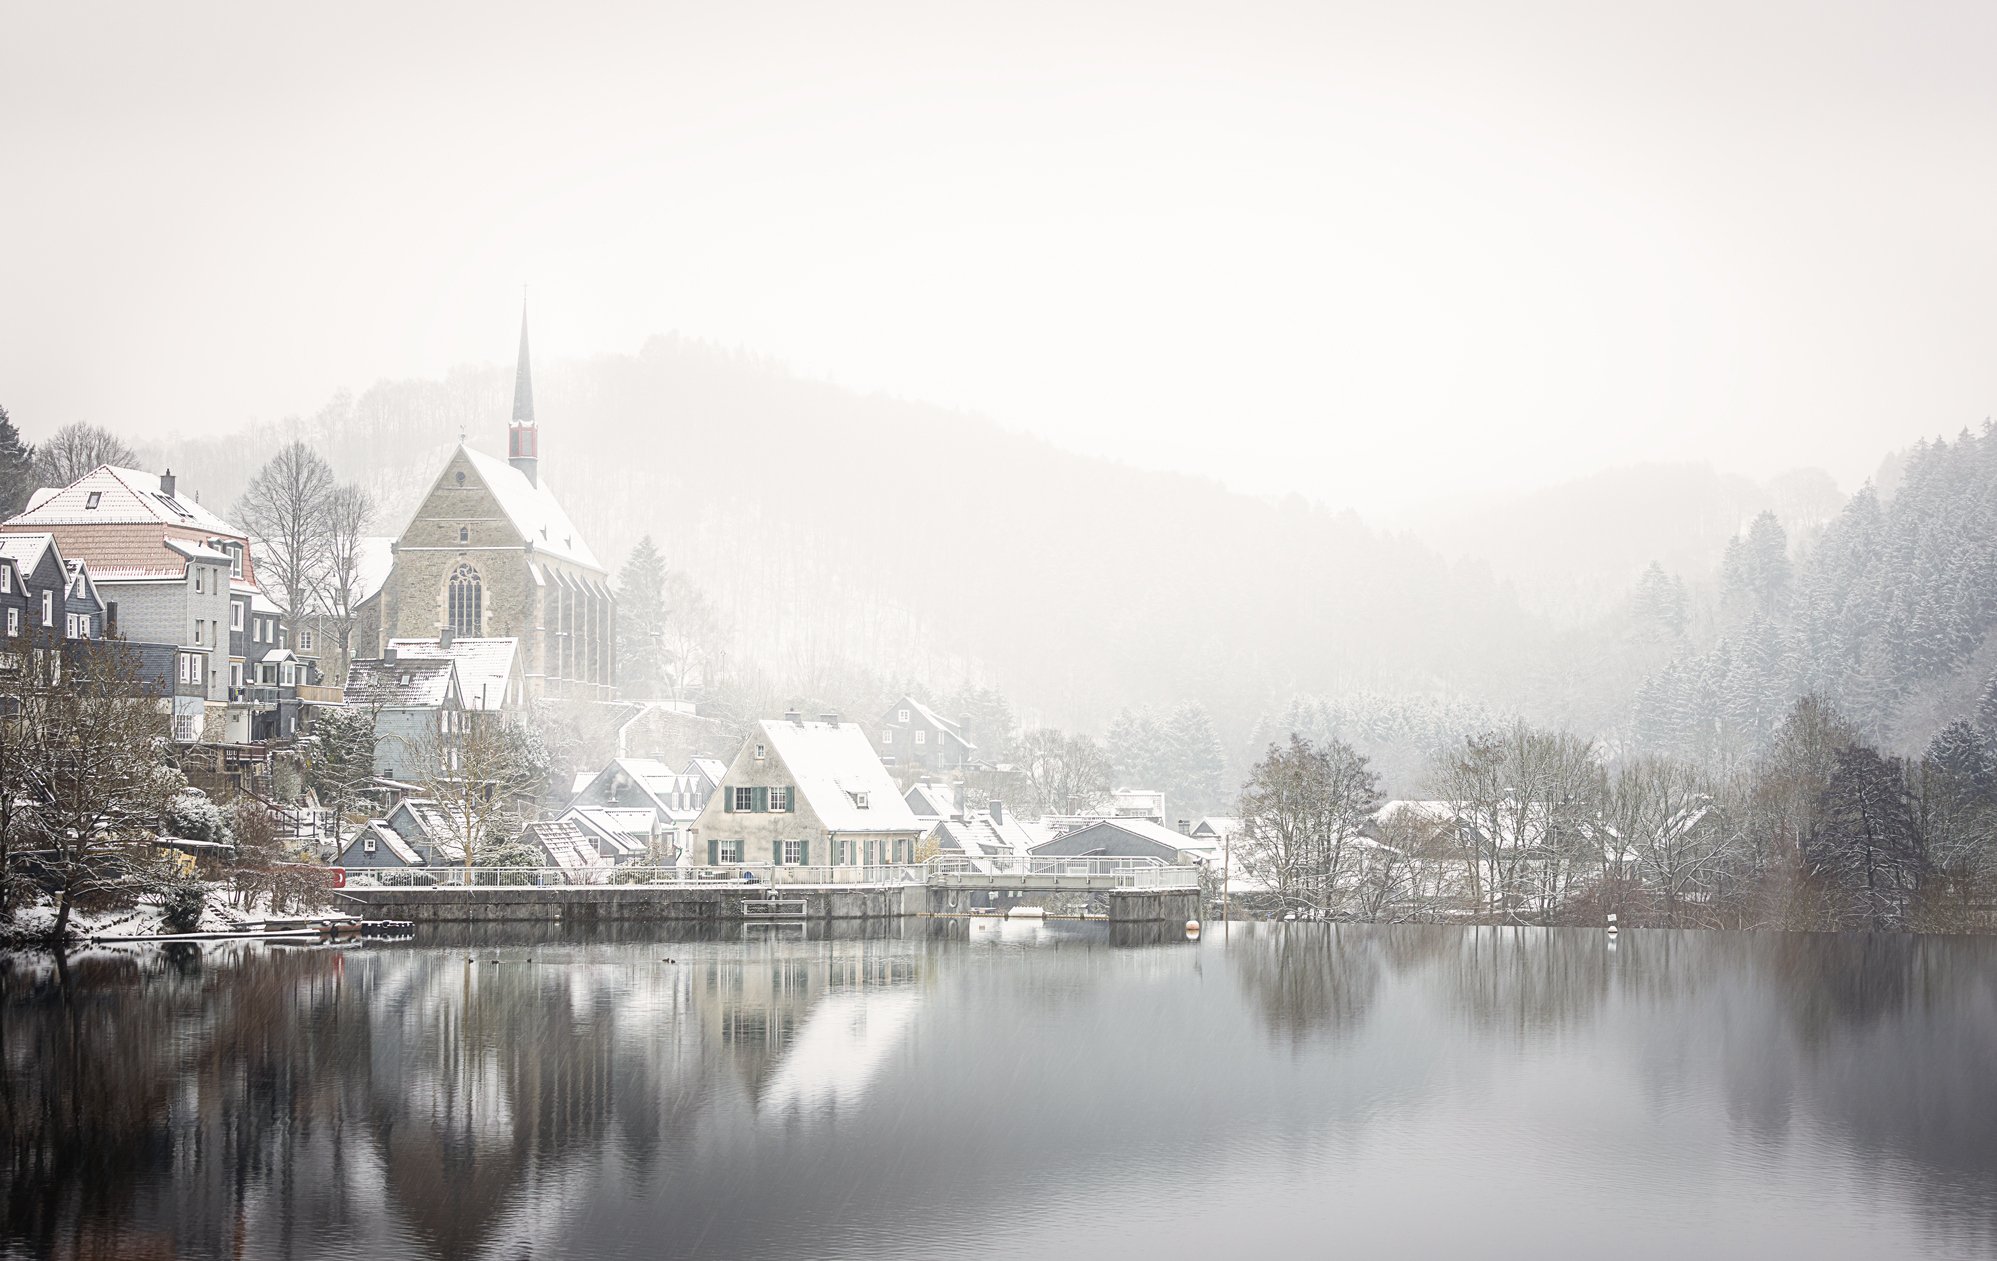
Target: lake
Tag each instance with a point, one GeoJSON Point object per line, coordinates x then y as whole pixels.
{"type": "Point", "coordinates": [943, 1089]}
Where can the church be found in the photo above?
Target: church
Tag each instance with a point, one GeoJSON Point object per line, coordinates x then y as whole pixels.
{"type": "Point", "coordinates": [490, 553]}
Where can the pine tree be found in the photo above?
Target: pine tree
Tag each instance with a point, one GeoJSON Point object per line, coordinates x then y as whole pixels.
{"type": "Point", "coordinates": [1197, 760]}
{"type": "Point", "coordinates": [17, 465]}
{"type": "Point", "coordinates": [641, 623]}
{"type": "Point", "coordinates": [1867, 846]}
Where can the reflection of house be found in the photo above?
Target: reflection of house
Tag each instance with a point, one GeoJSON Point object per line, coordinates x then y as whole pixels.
{"type": "Point", "coordinates": [911, 735]}
{"type": "Point", "coordinates": [806, 793]}
{"type": "Point", "coordinates": [1129, 838]}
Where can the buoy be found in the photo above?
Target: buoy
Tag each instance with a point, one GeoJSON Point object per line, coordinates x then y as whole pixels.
{"type": "Point", "coordinates": [1192, 930]}
{"type": "Point", "coordinates": [1613, 929]}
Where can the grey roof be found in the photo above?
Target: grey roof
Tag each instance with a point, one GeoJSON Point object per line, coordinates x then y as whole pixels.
{"type": "Point", "coordinates": [565, 845]}
{"type": "Point", "coordinates": [484, 665]}
{"type": "Point", "coordinates": [385, 837]}
{"type": "Point", "coordinates": [415, 683]}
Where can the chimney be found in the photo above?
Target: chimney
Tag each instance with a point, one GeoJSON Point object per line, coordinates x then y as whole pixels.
{"type": "Point", "coordinates": [829, 719]}
{"type": "Point", "coordinates": [997, 810]}
{"type": "Point", "coordinates": [166, 483]}
{"type": "Point", "coordinates": [388, 655]}
{"type": "Point", "coordinates": [794, 718]}
{"type": "Point", "coordinates": [1185, 827]}
{"type": "Point", "coordinates": [445, 636]}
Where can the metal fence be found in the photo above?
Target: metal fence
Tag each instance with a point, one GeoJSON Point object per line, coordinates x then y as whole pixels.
{"type": "Point", "coordinates": [955, 870]}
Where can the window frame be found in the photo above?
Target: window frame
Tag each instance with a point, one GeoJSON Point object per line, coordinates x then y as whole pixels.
{"type": "Point", "coordinates": [792, 853]}
{"type": "Point", "coordinates": [728, 852]}
{"type": "Point", "coordinates": [48, 609]}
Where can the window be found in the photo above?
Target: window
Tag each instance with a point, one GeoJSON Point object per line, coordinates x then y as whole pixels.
{"type": "Point", "coordinates": [235, 615]}
{"type": "Point", "coordinates": [780, 800]}
{"type": "Point", "coordinates": [235, 674]}
{"type": "Point", "coordinates": [922, 737]}
{"type": "Point", "coordinates": [887, 737]}
{"type": "Point", "coordinates": [287, 675]}
{"type": "Point", "coordinates": [236, 559]}
{"type": "Point", "coordinates": [728, 851]}
{"type": "Point", "coordinates": [69, 625]}
{"type": "Point", "coordinates": [845, 853]}
{"type": "Point", "coordinates": [464, 534]}
{"type": "Point", "coordinates": [197, 630]}
{"type": "Point", "coordinates": [793, 853]}
{"type": "Point", "coordinates": [460, 477]}
{"type": "Point", "coordinates": [90, 504]}
{"type": "Point", "coordinates": [305, 641]}
{"type": "Point", "coordinates": [6, 578]}
{"type": "Point", "coordinates": [48, 608]}
{"type": "Point", "coordinates": [859, 800]}
{"type": "Point", "coordinates": [761, 753]}
{"type": "Point", "coordinates": [13, 622]}
{"type": "Point", "coordinates": [745, 800]}
{"type": "Point", "coordinates": [200, 579]}
{"type": "Point", "coordinates": [467, 601]}
{"type": "Point", "coordinates": [902, 717]}
{"type": "Point", "coordinates": [367, 846]}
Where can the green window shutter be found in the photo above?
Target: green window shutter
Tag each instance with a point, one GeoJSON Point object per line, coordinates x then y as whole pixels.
{"type": "Point", "coordinates": [728, 801]}
{"type": "Point", "coordinates": [776, 851]}
{"type": "Point", "coordinates": [762, 804]}
{"type": "Point", "coordinates": [804, 852]}
{"type": "Point", "coordinates": [714, 853]}
{"type": "Point", "coordinates": [790, 799]}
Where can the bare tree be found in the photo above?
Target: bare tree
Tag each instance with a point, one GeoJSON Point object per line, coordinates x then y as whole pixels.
{"type": "Point", "coordinates": [349, 512]}
{"type": "Point", "coordinates": [76, 449]}
{"type": "Point", "coordinates": [288, 509]}
{"type": "Point", "coordinates": [1303, 811]}
{"type": "Point", "coordinates": [94, 773]}
{"type": "Point", "coordinates": [1069, 774]}
{"type": "Point", "coordinates": [1526, 799]}
{"type": "Point", "coordinates": [487, 776]}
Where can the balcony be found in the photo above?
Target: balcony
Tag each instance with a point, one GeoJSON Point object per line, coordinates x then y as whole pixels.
{"type": "Point", "coordinates": [319, 694]}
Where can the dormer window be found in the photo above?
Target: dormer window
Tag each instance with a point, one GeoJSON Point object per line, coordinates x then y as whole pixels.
{"type": "Point", "coordinates": [90, 504]}
{"type": "Point", "coordinates": [859, 800]}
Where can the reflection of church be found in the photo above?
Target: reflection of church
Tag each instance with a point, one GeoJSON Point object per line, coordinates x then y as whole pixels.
{"type": "Point", "coordinates": [490, 553]}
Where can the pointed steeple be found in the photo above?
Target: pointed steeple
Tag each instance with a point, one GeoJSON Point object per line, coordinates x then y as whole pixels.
{"type": "Point", "coordinates": [523, 436]}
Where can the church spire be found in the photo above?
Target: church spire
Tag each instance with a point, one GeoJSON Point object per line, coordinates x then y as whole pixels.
{"type": "Point", "coordinates": [523, 436]}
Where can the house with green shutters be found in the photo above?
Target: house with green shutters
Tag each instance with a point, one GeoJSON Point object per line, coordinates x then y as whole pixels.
{"type": "Point", "coordinates": [805, 794]}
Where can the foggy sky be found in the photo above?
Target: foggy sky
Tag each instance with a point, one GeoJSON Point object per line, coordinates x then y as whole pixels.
{"type": "Point", "coordinates": [1378, 254]}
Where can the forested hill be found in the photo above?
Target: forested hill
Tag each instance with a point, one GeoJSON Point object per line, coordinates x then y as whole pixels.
{"type": "Point", "coordinates": [846, 533]}
{"type": "Point", "coordinates": [1889, 613]}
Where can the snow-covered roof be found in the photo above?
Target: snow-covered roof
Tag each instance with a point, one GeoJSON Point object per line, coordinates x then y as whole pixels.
{"type": "Point", "coordinates": [533, 510]}
{"type": "Point", "coordinates": [979, 836]}
{"type": "Point", "coordinates": [385, 837]}
{"type": "Point", "coordinates": [834, 766]}
{"type": "Point", "coordinates": [434, 824]}
{"type": "Point", "coordinates": [484, 665]}
{"type": "Point", "coordinates": [712, 767]}
{"type": "Point", "coordinates": [25, 550]}
{"type": "Point", "coordinates": [124, 497]}
{"type": "Point", "coordinates": [565, 845]}
{"type": "Point", "coordinates": [410, 683]}
{"type": "Point", "coordinates": [1202, 848]}
{"type": "Point", "coordinates": [932, 801]}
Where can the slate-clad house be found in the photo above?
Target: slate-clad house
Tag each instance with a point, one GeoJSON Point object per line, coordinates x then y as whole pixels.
{"type": "Point", "coordinates": [806, 793]}
{"type": "Point", "coordinates": [911, 735]}
{"type": "Point", "coordinates": [164, 567]}
{"type": "Point", "coordinates": [414, 702]}
{"type": "Point", "coordinates": [638, 810]}
{"type": "Point", "coordinates": [375, 847]}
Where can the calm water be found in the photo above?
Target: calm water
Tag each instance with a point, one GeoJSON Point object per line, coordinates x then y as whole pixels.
{"type": "Point", "coordinates": [1010, 1090]}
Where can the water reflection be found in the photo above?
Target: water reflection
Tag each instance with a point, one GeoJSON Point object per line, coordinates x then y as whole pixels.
{"type": "Point", "coordinates": [993, 1089]}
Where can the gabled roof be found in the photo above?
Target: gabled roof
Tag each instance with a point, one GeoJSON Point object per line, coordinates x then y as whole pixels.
{"type": "Point", "coordinates": [124, 497]}
{"type": "Point", "coordinates": [484, 665]}
{"type": "Point", "coordinates": [376, 557]}
{"type": "Point", "coordinates": [427, 819]}
{"type": "Point", "coordinates": [1198, 847]}
{"type": "Point", "coordinates": [565, 846]}
{"type": "Point", "coordinates": [931, 801]}
{"type": "Point", "coordinates": [944, 726]}
{"type": "Point", "coordinates": [712, 767]}
{"type": "Point", "coordinates": [623, 833]}
{"type": "Point", "coordinates": [533, 510]}
{"type": "Point", "coordinates": [412, 683]}
{"type": "Point", "coordinates": [979, 836]}
{"type": "Point", "coordinates": [831, 764]}
{"type": "Point", "coordinates": [26, 550]}
{"type": "Point", "coordinates": [385, 837]}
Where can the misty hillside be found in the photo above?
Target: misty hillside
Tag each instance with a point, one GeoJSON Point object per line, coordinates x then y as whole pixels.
{"type": "Point", "coordinates": [1573, 549]}
{"type": "Point", "coordinates": [843, 532]}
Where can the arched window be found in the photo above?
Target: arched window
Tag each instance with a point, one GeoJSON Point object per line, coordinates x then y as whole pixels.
{"type": "Point", "coordinates": [467, 601]}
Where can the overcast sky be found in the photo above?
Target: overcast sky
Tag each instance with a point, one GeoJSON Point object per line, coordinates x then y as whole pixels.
{"type": "Point", "coordinates": [1376, 253]}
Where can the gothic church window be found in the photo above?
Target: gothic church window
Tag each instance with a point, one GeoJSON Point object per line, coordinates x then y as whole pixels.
{"type": "Point", "coordinates": [467, 601]}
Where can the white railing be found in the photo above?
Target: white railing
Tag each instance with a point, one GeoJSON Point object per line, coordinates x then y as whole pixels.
{"type": "Point", "coordinates": [1120, 873]}
{"type": "Point", "coordinates": [746, 875]}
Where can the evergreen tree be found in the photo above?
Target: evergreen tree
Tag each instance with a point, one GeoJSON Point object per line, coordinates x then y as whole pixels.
{"type": "Point", "coordinates": [641, 623]}
{"type": "Point", "coordinates": [17, 468]}
{"type": "Point", "coordinates": [1867, 847]}
{"type": "Point", "coordinates": [1196, 761]}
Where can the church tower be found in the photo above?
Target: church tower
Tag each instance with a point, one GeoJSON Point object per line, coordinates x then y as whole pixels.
{"type": "Point", "coordinates": [523, 436]}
